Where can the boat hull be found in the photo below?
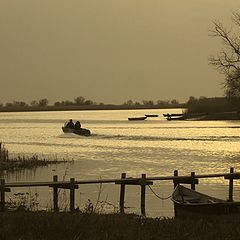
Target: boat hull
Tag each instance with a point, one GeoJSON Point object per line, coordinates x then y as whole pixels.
{"type": "Point", "coordinates": [137, 119]}
{"type": "Point", "coordinates": [82, 131]}
{"type": "Point", "coordinates": [151, 115]}
{"type": "Point", "coordinates": [190, 203]}
{"type": "Point", "coordinates": [174, 116]}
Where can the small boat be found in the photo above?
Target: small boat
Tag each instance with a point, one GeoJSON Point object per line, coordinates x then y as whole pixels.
{"type": "Point", "coordinates": [151, 115]}
{"type": "Point", "coordinates": [137, 118]}
{"type": "Point", "coordinates": [81, 131]}
{"type": "Point", "coordinates": [190, 203]}
{"type": "Point", "coordinates": [174, 116]}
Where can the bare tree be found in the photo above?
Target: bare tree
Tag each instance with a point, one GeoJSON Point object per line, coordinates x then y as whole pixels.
{"type": "Point", "coordinates": [228, 59]}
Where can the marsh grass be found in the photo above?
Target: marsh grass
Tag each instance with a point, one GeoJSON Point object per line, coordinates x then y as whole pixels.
{"type": "Point", "coordinates": [23, 201]}
{"type": "Point", "coordinates": [46, 225]}
{"type": "Point", "coordinates": [23, 162]}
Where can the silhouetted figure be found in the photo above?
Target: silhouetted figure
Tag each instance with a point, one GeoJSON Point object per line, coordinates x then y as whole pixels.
{"type": "Point", "coordinates": [70, 124]}
{"type": "Point", "coordinates": [77, 125]}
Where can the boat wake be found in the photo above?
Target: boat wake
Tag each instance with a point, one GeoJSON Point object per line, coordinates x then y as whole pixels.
{"type": "Point", "coordinates": [166, 138]}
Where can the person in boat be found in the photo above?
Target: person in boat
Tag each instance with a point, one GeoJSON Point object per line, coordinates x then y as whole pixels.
{"type": "Point", "coordinates": [70, 124]}
{"type": "Point", "coordinates": [77, 125]}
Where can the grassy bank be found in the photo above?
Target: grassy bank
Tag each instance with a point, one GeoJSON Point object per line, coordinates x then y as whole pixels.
{"type": "Point", "coordinates": [22, 162]}
{"type": "Point", "coordinates": [42, 225]}
{"type": "Point", "coordinates": [213, 109]}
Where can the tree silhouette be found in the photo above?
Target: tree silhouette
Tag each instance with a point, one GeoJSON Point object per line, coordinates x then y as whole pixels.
{"type": "Point", "coordinates": [79, 100]}
{"type": "Point", "coordinates": [228, 59]}
{"type": "Point", "coordinates": [43, 102]}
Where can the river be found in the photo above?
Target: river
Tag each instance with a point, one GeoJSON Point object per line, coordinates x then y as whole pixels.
{"type": "Point", "coordinates": [154, 146]}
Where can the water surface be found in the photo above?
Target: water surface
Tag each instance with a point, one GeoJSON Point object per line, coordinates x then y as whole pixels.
{"type": "Point", "coordinates": [155, 147]}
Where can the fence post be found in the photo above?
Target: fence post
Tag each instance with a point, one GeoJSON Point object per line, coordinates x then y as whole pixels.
{"type": "Point", "coordinates": [2, 207]}
{"type": "Point", "coordinates": [143, 194]}
{"type": "Point", "coordinates": [72, 194]}
{"type": "Point", "coordinates": [55, 194]}
{"type": "Point", "coordinates": [122, 194]}
{"type": "Point", "coordinates": [231, 186]}
{"type": "Point", "coordinates": [175, 173]}
{"type": "Point", "coordinates": [193, 180]}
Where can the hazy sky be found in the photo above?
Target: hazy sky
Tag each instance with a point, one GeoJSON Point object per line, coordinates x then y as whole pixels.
{"type": "Point", "coordinates": [109, 50]}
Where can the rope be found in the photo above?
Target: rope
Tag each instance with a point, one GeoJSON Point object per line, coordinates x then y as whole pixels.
{"type": "Point", "coordinates": [161, 198]}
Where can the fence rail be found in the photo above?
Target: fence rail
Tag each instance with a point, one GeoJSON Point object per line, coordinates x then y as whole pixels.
{"type": "Point", "coordinates": [73, 184]}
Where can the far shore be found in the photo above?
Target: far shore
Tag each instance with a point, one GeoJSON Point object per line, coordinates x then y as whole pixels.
{"type": "Point", "coordinates": [235, 115]}
{"type": "Point", "coordinates": [226, 115]}
{"type": "Point", "coordinates": [87, 107]}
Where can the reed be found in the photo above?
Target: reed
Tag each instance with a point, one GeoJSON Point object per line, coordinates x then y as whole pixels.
{"type": "Point", "coordinates": [23, 162]}
{"type": "Point", "coordinates": [46, 225]}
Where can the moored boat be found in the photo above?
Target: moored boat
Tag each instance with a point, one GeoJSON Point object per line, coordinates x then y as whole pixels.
{"type": "Point", "coordinates": [151, 115]}
{"type": "Point", "coordinates": [174, 116]}
{"type": "Point", "coordinates": [190, 203]}
{"type": "Point", "coordinates": [137, 118]}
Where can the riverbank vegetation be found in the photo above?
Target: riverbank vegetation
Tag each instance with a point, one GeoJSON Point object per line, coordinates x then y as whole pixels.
{"type": "Point", "coordinates": [65, 225]}
{"type": "Point", "coordinates": [80, 103]}
{"type": "Point", "coordinates": [22, 162]}
{"type": "Point", "coordinates": [212, 109]}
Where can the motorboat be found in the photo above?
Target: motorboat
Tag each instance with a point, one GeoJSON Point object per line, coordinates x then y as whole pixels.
{"type": "Point", "coordinates": [80, 131]}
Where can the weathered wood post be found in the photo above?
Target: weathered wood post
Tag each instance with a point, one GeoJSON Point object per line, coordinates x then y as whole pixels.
{"type": "Point", "coordinates": [2, 207]}
{"type": "Point", "coordinates": [122, 194]}
{"type": "Point", "coordinates": [230, 198]}
{"type": "Point", "coordinates": [193, 180]}
{"type": "Point", "coordinates": [143, 194]}
{"type": "Point", "coordinates": [72, 194]}
{"type": "Point", "coordinates": [175, 183]}
{"type": "Point", "coordinates": [175, 173]}
{"type": "Point", "coordinates": [55, 194]}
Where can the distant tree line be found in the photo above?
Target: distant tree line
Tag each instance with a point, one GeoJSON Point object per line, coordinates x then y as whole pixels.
{"type": "Point", "coordinates": [194, 105]}
{"type": "Point", "coordinates": [150, 103]}
{"type": "Point", "coordinates": [40, 103]}
{"type": "Point", "coordinates": [81, 101]}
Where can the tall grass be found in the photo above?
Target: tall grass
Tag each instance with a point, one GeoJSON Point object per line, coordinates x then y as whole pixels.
{"type": "Point", "coordinates": [23, 162]}
{"type": "Point", "coordinates": [42, 225]}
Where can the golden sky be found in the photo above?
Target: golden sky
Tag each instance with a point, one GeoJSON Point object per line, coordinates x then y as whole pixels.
{"type": "Point", "coordinates": [110, 50]}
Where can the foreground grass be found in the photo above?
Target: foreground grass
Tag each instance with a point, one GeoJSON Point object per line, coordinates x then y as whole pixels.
{"type": "Point", "coordinates": [22, 162]}
{"type": "Point", "coordinates": [43, 225]}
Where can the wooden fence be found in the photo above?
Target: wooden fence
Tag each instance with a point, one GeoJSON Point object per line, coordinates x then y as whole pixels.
{"type": "Point", "coordinates": [73, 184]}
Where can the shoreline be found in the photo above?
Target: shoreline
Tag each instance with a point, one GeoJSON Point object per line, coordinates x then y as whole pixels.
{"type": "Point", "coordinates": [214, 116]}
{"type": "Point", "coordinates": [86, 108]}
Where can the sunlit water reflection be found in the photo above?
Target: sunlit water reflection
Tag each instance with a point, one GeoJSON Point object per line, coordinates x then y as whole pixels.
{"type": "Point", "coordinates": [155, 146]}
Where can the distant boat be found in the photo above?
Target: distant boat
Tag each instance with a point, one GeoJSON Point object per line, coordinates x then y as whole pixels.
{"type": "Point", "coordinates": [137, 118]}
{"type": "Point", "coordinates": [190, 203]}
{"type": "Point", "coordinates": [151, 115]}
{"type": "Point", "coordinates": [174, 116]}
